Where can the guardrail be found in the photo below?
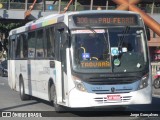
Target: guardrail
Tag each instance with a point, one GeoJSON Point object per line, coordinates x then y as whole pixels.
{"type": "Point", "coordinates": [48, 7]}
{"type": "Point", "coordinates": [51, 7]}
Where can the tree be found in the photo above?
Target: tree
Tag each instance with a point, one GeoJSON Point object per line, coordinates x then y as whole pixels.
{"type": "Point", "coordinates": [5, 27]}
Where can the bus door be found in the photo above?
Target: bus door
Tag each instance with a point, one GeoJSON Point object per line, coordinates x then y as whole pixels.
{"type": "Point", "coordinates": [61, 54]}
{"type": "Point", "coordinates": [11, 63]}
{"type": "Point", "coordinates": [64, 69]}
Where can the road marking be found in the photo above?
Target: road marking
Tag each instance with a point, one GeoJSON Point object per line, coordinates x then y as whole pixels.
{"type": "Point", "coordinates": [2, 84]}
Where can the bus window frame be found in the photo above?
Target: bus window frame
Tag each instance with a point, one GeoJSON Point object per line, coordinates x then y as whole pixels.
{"type": "Point", "coordinates": [11, 52]}
{"type": "Point", "coordinates": [36, 34]}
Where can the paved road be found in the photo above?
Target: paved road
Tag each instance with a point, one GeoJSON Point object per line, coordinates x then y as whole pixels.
{"type": "Point", "coordinates": [10, 101]}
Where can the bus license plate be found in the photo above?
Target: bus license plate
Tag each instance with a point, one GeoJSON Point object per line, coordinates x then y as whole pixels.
{"type": "Point", "coordinates": [113, 97]}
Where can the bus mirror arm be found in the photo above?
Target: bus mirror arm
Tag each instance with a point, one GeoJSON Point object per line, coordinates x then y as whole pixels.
{"type": "Point", "coordinates": [68, 41]}
{"type": "Point", "coordinates": [147, 32]}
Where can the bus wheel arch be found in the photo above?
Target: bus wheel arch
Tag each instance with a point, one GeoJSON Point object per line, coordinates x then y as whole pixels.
{"type": "Point", "coordinates": [53, 97]}
{"type": "Point", "coordinates": [23, 96]}
{"type": "Point", "coordinates": [50, 83]}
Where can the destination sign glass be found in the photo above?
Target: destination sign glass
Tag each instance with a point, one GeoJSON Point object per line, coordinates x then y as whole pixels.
{"type": "Point", "coordinates": [105, 20]}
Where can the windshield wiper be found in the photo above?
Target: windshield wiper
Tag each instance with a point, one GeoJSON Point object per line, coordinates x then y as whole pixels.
{"type": "Point", "coordinates": [121, 39]}
{"type": "Point", "coordinates": [91, 29]}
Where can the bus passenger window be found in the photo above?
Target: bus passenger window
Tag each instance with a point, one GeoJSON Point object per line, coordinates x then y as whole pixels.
{"type": "Point", "coordinates": [17, 48]}
{"type": "Point", "coordinates": [39, 45]}
{"type": "Point", "coordinates": [25, 46]}
{"type": "Point", "coordinates": [31, 44]}
{"type": "Point", "coordinates": [50, 41]}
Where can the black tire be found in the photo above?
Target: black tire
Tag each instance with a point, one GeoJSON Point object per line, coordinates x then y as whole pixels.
{"type": "Point", "coordinates": [156, 83]}
{"type": "Point", "coordinates": [23, 96]}
{"type": "Point", "coordinates": [58, 108]}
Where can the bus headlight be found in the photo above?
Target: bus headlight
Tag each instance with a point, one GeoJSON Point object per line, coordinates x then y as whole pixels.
{"type": "Point", "coordinates": [79, 85]}
{"type": "Point", "coordinates": [144, 81]}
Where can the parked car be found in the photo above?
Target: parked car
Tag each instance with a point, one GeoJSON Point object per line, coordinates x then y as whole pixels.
{"type": "Point", "coordinates": [3, 69]}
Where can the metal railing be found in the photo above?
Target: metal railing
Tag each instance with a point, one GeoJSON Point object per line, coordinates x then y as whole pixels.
{"type": "Point", "coordinates": [51, 7]}
{"type": "Point", "coordinates": [149, 9]}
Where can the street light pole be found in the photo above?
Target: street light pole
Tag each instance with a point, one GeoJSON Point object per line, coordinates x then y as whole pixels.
{"type": "Point", "coordinates": [75, 4]}
{"type": "Point", "coordinates": [26, 2]}
{"type": "Point", "coordinates": [107, 5]}
{"type": "Point", "coordinates": [91, 5]}
{"type": "Point", "coordinates": [59, 7]}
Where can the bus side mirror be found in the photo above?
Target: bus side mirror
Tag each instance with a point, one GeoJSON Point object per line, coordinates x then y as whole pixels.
{"type": "Point", "coordinates": [148, 33]}
{"type": "Point", "coordinates": [68, 39]}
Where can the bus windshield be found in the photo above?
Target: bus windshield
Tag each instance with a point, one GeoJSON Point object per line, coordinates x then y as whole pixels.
{"type": "Point", "coordinates": [109, 50]}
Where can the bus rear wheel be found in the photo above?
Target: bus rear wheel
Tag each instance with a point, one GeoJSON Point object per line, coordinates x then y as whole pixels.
{"type": "Point", "coordinates": [58, 108]}
{"type": "Point", "coordinates": [23, 96]}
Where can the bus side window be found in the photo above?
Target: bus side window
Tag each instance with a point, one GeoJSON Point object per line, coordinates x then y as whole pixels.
{"type": "Point", "coordinates": [25, 46]}
{"type": "Point", "coordinates": [50, 42]}
{"type": "Point", "coordinates": [12, 47]}
{"type": "Point", "coordinates": [17, 47]}
{"type": "Point", "coordinates": [31, 44]}
{"type": "Point", "coordinates": [148, 32]}
{"type": "Point", "coordinates": [39, 44]}
{"type": "Point", "coordinates": [21, 46]}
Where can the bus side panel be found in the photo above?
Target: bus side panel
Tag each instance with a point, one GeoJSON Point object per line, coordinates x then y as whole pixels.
{"type": "Point", "coordinates": [21, 69]}
{"type": "Point", "coordinates": [17, 73]}
{"type": "Point", "coordinates": [24, 71]}
{"type": "Point", "coordinates": [70, 84]}
{"type": "Point", "coordinates": [43, 73]}
{"type": "Point", "coordinates": [11, 74]}
{"type": "Point", "coordinates": [58, 81]}
{"type": "Point", "coordinates": [31, 78]}
{"type": "Point", "coordinates": [26, 68]}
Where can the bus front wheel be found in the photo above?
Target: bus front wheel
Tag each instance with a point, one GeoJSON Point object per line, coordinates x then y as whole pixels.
{"type": "Point", "coordinates": [57, 107]}
{"type": "Point", "coordinates": [23, 96]}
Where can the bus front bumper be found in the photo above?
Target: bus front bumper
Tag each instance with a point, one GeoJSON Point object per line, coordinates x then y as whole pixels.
{"type": "Point", "coordinates": [79, 99]}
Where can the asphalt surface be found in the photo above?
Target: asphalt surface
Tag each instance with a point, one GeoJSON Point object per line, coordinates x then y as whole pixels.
{"type": "Point", "coordinates": [10, 102]}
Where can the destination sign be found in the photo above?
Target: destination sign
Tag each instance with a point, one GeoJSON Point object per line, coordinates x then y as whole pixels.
{"type": "Point", "coordinates": [95, 64]}
{"type": "Point", "coordinates": [105, 20]}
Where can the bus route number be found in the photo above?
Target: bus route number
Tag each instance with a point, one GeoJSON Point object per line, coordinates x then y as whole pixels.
{"type": "Point", "coordinates": [82, 20]}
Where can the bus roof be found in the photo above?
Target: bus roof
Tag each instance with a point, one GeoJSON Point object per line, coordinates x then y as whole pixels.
{"type": "Point", "coordinates": [55, 18]}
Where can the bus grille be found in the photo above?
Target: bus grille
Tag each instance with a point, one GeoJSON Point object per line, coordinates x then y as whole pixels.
{"type": "Point", "coordinates": [103, 100]}
{"type": "Point", "coordinates": [112, 81]}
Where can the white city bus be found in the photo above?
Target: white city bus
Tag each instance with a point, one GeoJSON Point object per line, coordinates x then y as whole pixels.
{"type": "Point", "coordinates": [82, 59]}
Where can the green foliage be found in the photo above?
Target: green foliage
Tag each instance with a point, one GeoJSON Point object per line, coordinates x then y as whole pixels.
{"type": "Point", "coordinates": [9, 26]}
{"type": "Point", "coordinates": [3, 0]}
